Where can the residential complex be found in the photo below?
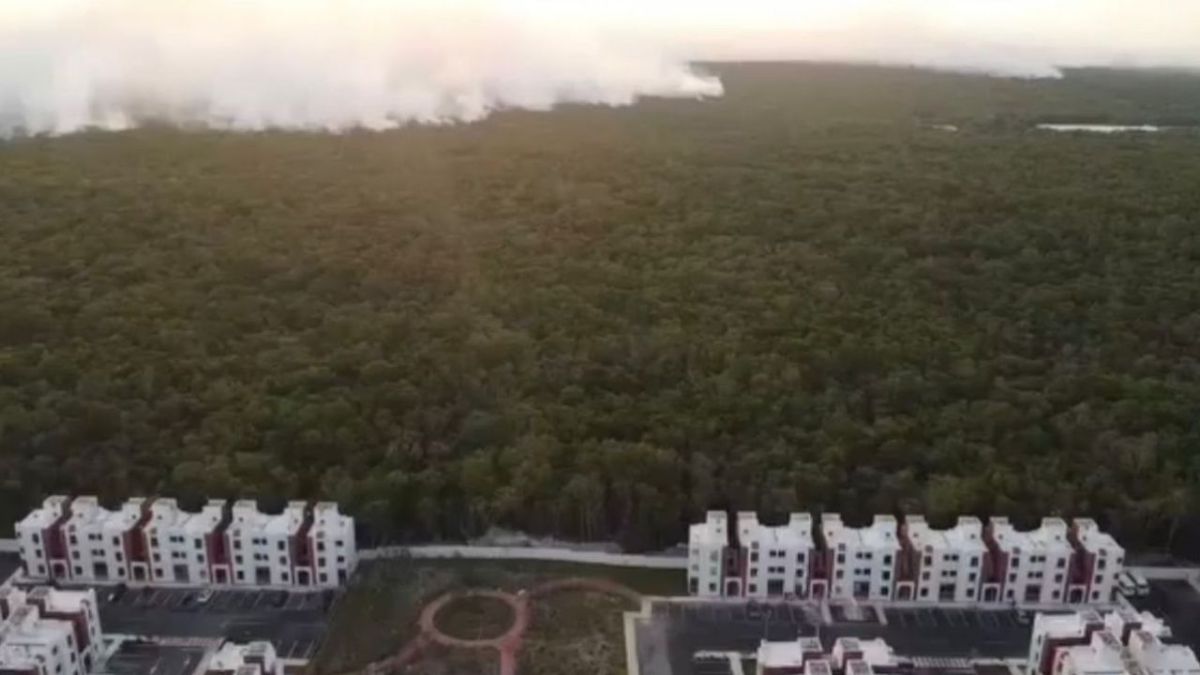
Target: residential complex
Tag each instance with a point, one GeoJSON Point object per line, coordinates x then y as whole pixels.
{"type": "Point", "coordinates": [47, 631]}
{"type": "Point", "coordinates": [253, 658]}
{"type": "Point", "coordinates": [903, 560]}
{"type": "Point", "coordinates": [1119, 643]}
{"type": "Point", "coordinates": [154, 541]}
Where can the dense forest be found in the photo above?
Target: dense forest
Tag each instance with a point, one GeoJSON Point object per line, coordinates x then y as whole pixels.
{"type": "Point", "coordinates": [596, 323]}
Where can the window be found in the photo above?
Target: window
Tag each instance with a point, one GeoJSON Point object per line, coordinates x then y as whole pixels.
{"type": "Point", "coordinates": [754, 556]}
{"type": "Point", "coordinates": [324, 577]}
{"type": "Point", "coordinates": [320, 546]}
{"type": "Point", "coordinates": [75, 555]}
{"type": "Point", "coordinates": [841, 573]}
{"type": "Point", "coordinates": [199, 544]}
{"type": "Point", "coordinates": [1060, 563]}
{"type": "Point", "coordinates": [116, 541]}
{"type": "Point", "coordinates": [1057, 578]}
{"type": "Point", "coordinates": [281, 546]}
{"type": "Point", "coordinates": [1099, 578]}
{"type": "Point", "coordinates": [119, 556]}
{"type": "Point", "coordinates": [284, 576]}
{"type": "Point", "coordinates": [800, 558]}
{"type": "Point", "coordinates": [1012, 578]}
{"type": "Point", "coordinates": [1095, 595]}
{"type": "Point", "coordinates": [341, 558]}
{"type": "Point", "coordinates": [924, 576]}
{"type": "Point", "coordinates": [928, 560]}
{"type": "Point", "coordinates": [282, 560]}
{"type": "Point", "coordinates": [158, 573]}
{"type": "Point", "coordinates": [841, 558]}
{"type": "Point", "coordinates": [885, 575]}
{"type": "Point", "coordinates": [338, 543]}
{"type": "Point", "coordinates": [78, 570]}
{"type": "Point", "coordinates": [971, 576]}
{"type": "Point", "coordinates": [237, 544]}
{"type": "Point", "coordinates": [753, 588]}
{"type": "Point", "coordinates": [1016, 562]}
{"type": "Point", "coordinates": [1100, 565]}
{"type": "Point", "coordinates": [35, 538]}
{"type": "Point", "coordinates": [924, 592]}
{"type": "Point", "coordinates": [887, 559]}
{"type": "Point", "coordinates": [712, 587]}
{"type": "Point", "coordinates": [970, 592]}
{"type": "Point", "coordinates": [974, 561]}
{"type": "Point", "coordinates": [74, 540]}
{"type": "Point", "coordinates": [1055, 595]}
{"type": "Point", "coordinates": [241, 576]}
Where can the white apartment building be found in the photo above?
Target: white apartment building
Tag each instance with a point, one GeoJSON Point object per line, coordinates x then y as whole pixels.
{"type": "Point", "coordinates": [777, 558]}
{"type": "Point", "coordinates": [332, 544]}
{"type": "Point", "coordinates": [1053, 632]}
{"type": "Point", "coordinates": [1056, 563]}
{"type": "Point", "coordinates": [48, 632]}
{"type": "Point", "coordinates": [707, 543]}
{"type": "Point", "coordinates": [253, 658]}
{"type": "Point", "coordinates": [43, 545]}
{"type": "Point", "coordinates": [1120, 643]}
{"type": "Point", "coordinates": [1029, 566]}
{"type": "Point", "coordinates": [154, 541]}
{"type": "Point", "coordinates": [186, 547]}
{"type": "Point", "coordinates": [863, 559]}
{"type": "Point", "coordinates": [1096, 561]}
{"type": "Point", "coordinates": [754, 560]}
{"type": "Point", "coordinates": [948, 562]}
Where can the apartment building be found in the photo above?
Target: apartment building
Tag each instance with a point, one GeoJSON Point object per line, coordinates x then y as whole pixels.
{"type": "Point", "coordinates": [253, 658]}
{"type": "Point", "coordinates": [154, 541]}
{"type": "Point", "coordinates": [1096, 560]}
{"type": "Point", "coordinates": [751, 560]}
{"type": "Point", "coordinates": [862, 560]}
{"type": "Point", "coordinates": [48, 632]}
{"type": "Point", "coordinates": [805, 656]}
{"type": "Point", "coordinates": [940, 565]}
{"type": "Point", "coordinates": [1119, 643]}
{"type": "Point", "coordinates": [188, 547]}
{"type": "Point", "coordinates": [1057, 563]}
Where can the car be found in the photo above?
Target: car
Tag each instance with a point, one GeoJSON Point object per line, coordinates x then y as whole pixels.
{"type": "Point", "coordinates": [1126, 584]}
{"type": "Point", "coordinates": [1023, 617]}
{"type": "Point", "coordinates": [1139, 581]}
{"type": "Point", "coordinates": [116, 593]}
{"type": "Point", "coordinates": [205, 596]}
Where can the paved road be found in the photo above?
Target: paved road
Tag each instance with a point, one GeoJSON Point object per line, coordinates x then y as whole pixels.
{"type": "Point", "coordinates": [144, 659]}
{"type": "Point", "coordinates": [1179, 604]}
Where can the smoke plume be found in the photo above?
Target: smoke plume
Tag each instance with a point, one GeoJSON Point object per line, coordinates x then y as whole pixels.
{"type": "Point", "coordinates": [67, 65]}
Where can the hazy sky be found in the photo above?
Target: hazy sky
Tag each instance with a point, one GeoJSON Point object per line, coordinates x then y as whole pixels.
{"type": "Point", "coordinates": [336, 64]}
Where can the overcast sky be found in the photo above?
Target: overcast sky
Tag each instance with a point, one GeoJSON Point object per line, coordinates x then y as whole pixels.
{"type": "Point", "coordinates": [336, 64]}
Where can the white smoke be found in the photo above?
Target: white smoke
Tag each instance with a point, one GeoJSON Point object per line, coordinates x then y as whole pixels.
{"type": "Point", "coordinates": [66, 65]}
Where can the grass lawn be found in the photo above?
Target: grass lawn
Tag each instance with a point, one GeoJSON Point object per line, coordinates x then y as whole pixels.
{"type": "Point", "coordinates": [378, 614]}
{"type": "Point", "coordinates": [576, 633]}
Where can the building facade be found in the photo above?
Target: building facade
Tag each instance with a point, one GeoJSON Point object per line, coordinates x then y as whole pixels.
{"type": "Point", "coordinates": [47, 631]}
{"type": "Point", "coordinates": [1057, 563]}
{"type": "Point", "coordinates": [1119, 643]}
{"type": "Point", "coordinates": [154, 541]}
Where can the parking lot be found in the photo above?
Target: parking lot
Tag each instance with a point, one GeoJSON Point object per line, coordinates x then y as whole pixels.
{"type": "Point", "coordinates": [9, 563]}
{"type": "Point", "coordinates": [1179, 604]}
{"type": "Point", "coordinates": [140, 658]}
{"type": "Point", "coordinates": [669, 642]}
{"type": "Point", "coordinates": [294, 623]}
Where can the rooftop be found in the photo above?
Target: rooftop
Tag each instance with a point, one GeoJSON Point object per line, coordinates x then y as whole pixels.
{"type": "Point", "coordinates": [796, 534]}
{"type": "Point", "coordinates": [712, 532]}
{"type": "Point", "coordinates": [45, 515]}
